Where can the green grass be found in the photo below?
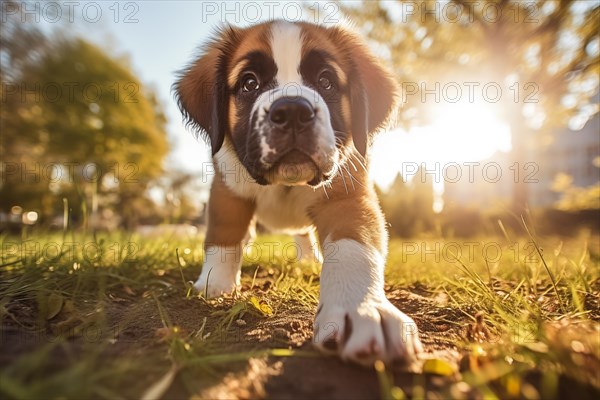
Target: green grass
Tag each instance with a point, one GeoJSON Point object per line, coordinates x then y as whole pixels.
{"type": "Point", "coordinates": [114, 315]}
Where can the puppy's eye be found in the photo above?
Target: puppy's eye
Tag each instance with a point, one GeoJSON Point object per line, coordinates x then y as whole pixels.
{"type": "Point", "coordinates": [250, 83]}
{"type": "Point", "coordinates": [325, 82]}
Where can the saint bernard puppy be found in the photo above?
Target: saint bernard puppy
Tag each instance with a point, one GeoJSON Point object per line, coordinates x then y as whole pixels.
{"type": "Point", "coordinates": [288, 109]}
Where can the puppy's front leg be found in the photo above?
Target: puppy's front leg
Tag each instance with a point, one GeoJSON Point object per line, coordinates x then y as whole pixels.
{"type": "Point", "coordinates": [228, 220]}
{"type": "Point", "coordinates": [354, 318]}
{"type": "Point", "coordinates": [308, 247]}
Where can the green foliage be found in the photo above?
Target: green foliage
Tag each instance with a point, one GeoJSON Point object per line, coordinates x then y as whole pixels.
{"type": "Point", "coordinates": [74, 112]}
{"type": "Point", "coordinates": [575, 198]}
{"type": "Point", "coordinates": [544, 48]}
{"type": "Point", "coordinates": [488, 41]}
{"type": "Point", "coordinates": [181, 191]}
{"type": "Point", "coordinates": [107, 117]}
{"type": "Point", "coordinates": [408, 208]}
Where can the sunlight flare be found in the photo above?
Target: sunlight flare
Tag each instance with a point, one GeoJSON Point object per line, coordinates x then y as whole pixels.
{"type": "Point", "coordinates": [461, 132]}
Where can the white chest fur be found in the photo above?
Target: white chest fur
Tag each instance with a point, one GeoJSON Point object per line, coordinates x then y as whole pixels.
{"type": "Point", "coordinates": [284, 209]}
{"type": "Point", "coordinates": [279, 208]}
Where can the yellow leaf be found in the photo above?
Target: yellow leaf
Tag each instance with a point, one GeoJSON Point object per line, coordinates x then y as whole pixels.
{"type": "Point", "coordinates": [266, 309]}
{"type": "Point", "coordinates": [261, 306]}
{"type": "Point", "coordinates": [282, 353]}
{"type": "Point", "coordinates": [438, 367]}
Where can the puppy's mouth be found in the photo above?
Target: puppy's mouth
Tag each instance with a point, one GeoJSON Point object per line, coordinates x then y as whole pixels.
{"type": "Point", "coordinates": [295, 168]}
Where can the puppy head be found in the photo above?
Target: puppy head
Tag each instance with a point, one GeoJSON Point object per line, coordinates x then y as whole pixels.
{"type": "Point", "coordinates": [293, 99]}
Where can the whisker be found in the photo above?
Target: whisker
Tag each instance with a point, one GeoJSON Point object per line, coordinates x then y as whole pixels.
{"type": "Point", "coordinates": [357, 181]}
{"type": "Point", "coordinates": [325, 190]}
{"type": "Point", "coordinates": [359, 161]}
{"type": "Point", "coordinates": [350, 161]}
{"type": "Point", "coordinates": [350, 175]}
{"type": "Point", "coordinates": [338, 140]}
{"type": "Point", "coordinates": [343, 179]}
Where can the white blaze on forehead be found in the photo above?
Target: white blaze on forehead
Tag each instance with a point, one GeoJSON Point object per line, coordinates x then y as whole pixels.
{"type": "Point", "coordinates": [286, 45]}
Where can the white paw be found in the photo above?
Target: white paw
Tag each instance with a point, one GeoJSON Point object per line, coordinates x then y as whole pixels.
{"type": "Point", "coordinates": [216, 283]}
{"type": "Point", "coordinates": [220, 273]}
{"type": "Point", "coordinates": [372, 330]}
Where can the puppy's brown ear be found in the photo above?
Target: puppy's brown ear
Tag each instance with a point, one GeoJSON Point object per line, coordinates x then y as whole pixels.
{"type": "Point", "coordinates": [201, 90]}
{"type": "Point", "coordinates": [373, 90]}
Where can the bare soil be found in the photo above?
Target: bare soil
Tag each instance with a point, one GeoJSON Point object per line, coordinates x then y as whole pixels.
{"type": "Point", "coordinates": [132, 324]}
{"type": "Point", "coordinates": [134, 329]}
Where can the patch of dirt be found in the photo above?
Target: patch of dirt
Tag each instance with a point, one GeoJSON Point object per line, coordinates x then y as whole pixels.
{"type": "Point", "coordinates": [440, 326]}
{"type": "Point", "coordinates": [134, 329]}
{"type": "Point", "coordinates": [249, 383]}
{"type": "Point", "coordinates": [133, 320]}
{"type": "Point", "coordinates": [322, 377]}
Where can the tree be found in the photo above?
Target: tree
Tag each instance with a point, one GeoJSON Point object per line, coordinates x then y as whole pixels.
{"type": "Point", "coordinates": [181, 191]}
{"type": "Point", "coordinates": [396, 203]}
{"type": "Point", "coordinates": [408, 208]}
{"type": "Point", "coordinates": [70, 110]}
{"type": "Point", "coordinates": [422, 200]}
{"type": "Point", "coordinates": [94, 110]}
{"type": "Point", "coordinates": [20, 44]}
{"type": "Point", "coordinates": [575, 198]}
{"type": "Point", "coordinates": [543, 54]}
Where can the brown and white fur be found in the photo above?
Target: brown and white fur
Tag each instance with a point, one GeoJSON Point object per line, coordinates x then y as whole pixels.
{"type": "Point", "coordinates": [288, 109]}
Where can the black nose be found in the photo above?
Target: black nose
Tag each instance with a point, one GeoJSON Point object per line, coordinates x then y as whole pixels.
{"type": "Point", "coordinates": [289, 113]}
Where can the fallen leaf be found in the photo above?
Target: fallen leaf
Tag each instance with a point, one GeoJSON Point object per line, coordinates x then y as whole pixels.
{"type": "Point", "coordinates": [261, 306]}
{"type": "Point", "coordinates": [438, 366]}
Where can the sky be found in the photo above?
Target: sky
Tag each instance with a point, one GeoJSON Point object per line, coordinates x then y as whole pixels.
{"type": "Point", "coordinates": [161, 37]}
